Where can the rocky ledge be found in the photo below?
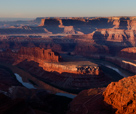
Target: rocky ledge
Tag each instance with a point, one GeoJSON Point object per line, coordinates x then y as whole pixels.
{"type": "Point", "coordinates": [118, 98]}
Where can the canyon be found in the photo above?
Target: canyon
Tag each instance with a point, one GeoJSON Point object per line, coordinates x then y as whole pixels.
{"type": "Point", "coordinates": [91, 59]}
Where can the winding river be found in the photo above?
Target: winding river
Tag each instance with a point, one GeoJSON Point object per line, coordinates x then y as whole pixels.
{"type": "Point", "coordinates": [117, 70]}
{"type": "Point", "coordinates": [25, 84]}
{"type": "Point", "coordinates": [120, 73]}
{"type": "Point", "coordinates": [30, 86]}
{"type": "Point", "coordinates": [66, 95]}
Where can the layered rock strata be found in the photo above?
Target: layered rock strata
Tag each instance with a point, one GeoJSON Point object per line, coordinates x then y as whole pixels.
{"type": "Point", "coordinates": [31, 54]}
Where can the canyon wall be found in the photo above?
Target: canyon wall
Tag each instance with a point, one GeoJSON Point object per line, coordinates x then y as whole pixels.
{"type": "Point", "coordinates": [31, 54]}
{"type": "Point", "coordinates": [88, 49]}
{"type": "Point", "coordinates": [125, 64]}
{"type": "Point", "coordinates": [47, 55]}
{"type": "Point", "coordinates": [125, 59]}
{"type": "Point", "coordinates": [128, 53]}
{"type": "Point", "coordinates": [96, 22]}
{"type": "Point", "coordinates": [78, 26]}
{"type": "Point", "coordinates": [119, 31]}
{"type": "Point", "coordinates": [103, 34]}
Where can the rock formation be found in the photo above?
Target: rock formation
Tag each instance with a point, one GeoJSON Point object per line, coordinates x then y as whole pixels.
{"type": "Point", "coordinates": [128, 53]}
{"type": "Point", "coordinates": [42, 54]}
{"type": "Point", "coordinates": [98, 22]}
{"type": "Point", "coordinates": [92, 70]}
{"type": "Point", "coordinates": [79, 26]}
{"type": "Point", "coordinates": [121, 95]}
{"type": "Point", "coordinates": [100, 35]}
{"type": "Point", "coordinates": [31, 54]}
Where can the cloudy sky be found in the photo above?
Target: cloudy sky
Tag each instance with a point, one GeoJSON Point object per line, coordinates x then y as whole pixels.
{"type": "Point", "coordinates": [66, 8]}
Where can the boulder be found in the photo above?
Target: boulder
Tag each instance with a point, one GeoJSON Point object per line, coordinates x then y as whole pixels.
{"type": "Point", "coordinates": [121, 95]}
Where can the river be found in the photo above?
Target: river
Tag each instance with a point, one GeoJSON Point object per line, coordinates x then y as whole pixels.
{"type": "Point", "coordinates": [25, 84]}
{"type": "Point", "coordinates": [122, 72]}
{"type": "Point", "coordinates": [30, 86]}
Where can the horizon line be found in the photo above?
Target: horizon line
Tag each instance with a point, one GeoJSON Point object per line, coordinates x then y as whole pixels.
{"type": "Point", "coordinates": [67, 16]}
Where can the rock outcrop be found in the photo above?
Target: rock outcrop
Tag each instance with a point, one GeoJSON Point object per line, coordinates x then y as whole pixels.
{"type": "Point", "coordinates": [128, 53]}
{"type": "Point", "coordinates": [31, 54]}
{"type": "Point", "coordinates": [42, 54]}
{"type": "Point", "coordinates": [122, 95]}
{"type": "Point", "coordinates": [92, 70]}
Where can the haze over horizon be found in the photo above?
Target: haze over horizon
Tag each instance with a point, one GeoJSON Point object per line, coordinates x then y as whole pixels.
{"type": "Point", "coordinates": [66, 8]}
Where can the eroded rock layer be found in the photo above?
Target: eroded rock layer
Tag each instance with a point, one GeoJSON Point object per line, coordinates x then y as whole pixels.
{"type": "Point", "coordinates": [31, 54]}
{"type": "Point", "coordinates": [121, 95]}
{"type": "Point", "coordinates": [47, 55]}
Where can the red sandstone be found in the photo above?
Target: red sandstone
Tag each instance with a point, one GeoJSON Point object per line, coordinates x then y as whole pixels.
{"type": "Point", "coordinates": [121, 95]}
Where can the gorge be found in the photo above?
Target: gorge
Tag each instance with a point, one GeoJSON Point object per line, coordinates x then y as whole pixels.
{"type": "Point", "coordinates": [89, 59]}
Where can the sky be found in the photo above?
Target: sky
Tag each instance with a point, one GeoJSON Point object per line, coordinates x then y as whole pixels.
{"type": "Point", "coordinates": [66, 8]}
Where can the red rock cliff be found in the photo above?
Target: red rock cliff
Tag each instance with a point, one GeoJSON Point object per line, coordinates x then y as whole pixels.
{"type": "Point", "coordinates": [122, 95]}
{"type": "Point", "coordinates": [36, 52]}
{"type": "Point", "coordinates": [31, 54]}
